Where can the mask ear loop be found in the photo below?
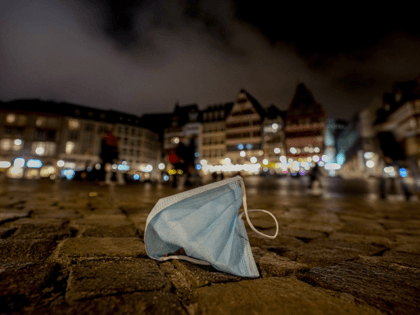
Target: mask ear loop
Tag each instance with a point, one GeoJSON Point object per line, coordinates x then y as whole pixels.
{"type": "Point", "coordinates": [255, 210]}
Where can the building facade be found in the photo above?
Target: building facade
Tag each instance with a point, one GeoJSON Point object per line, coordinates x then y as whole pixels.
{"type": "Point", "coordinates": [66, 137]}
{"type": "Point", "coordinates": [274, 145]}
{"type": "Point", "coordinates": [305, 129]}
{"type": "Point", "coordinates": [244, 130]}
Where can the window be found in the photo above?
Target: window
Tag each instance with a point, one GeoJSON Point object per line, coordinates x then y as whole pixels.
{"type": "Point", "coordinates": [6, 144]}
{"type": "Point", "coordinates": [41, 121]}
{"type": "Point", "coordinates": [133, 132]}
{"type": "Point", "coordinates": [73, 135]}
{"type": "Point", "coordinates": [89, 127]}
{"type": "Point", "coordinates": [74, 124]}
{"type": "Point", "coordinates": [10, 118]}
{"type": "Point", "coordinates": [70, 147]}
{"type": "Point", "coordinates": [140, 133]}
{"type": "Point", "coordinates": [43, 148]}
{"type": "Point", "coordinates": [52, 122]}
{"type": "Point", "coordinates": [126, 130]}
{"type": "Point", "coordinates": [139, 143]}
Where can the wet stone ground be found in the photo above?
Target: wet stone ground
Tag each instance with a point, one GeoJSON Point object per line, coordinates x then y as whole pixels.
{"type": "Point", "coordinates": [77, 248]}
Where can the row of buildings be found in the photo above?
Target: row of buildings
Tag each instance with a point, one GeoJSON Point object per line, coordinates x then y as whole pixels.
{"type": "Point", "coordinates": [397, 111]}
{"type": "Point", "coordinates": [242, 135]}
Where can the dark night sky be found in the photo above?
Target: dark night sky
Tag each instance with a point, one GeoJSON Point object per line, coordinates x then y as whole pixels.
{"type": "Point", "coordinates": [143, 56]}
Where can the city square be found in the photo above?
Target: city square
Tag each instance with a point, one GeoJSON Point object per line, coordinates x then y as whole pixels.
{"type": "Point", "coordinates": [73, 247]}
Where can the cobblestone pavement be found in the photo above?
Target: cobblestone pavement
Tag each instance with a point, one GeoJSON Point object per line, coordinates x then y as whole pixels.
{"type": "Point", "coordinates": [77, 248]}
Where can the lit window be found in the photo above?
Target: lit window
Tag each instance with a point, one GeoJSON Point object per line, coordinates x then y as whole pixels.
{"type": "Point", "coordinates": [40, 121]}
{"type": "Point", "coordinates": [6, 144]}
{"type": "Point", "coordinates": [74, 124]}
{"type": "Point", "coordinates": [70, 147]}
{"type": "Point", "coordinates": [39, 148]}
{"type": "Point", "coordinates": [11, 118]}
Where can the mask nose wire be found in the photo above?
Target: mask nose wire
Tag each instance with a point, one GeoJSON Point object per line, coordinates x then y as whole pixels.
{"type": "Point", "coordinates": [255, 210]}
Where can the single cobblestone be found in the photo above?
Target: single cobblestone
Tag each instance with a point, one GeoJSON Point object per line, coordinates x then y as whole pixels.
{"type": "Point", "coordinates": [42, 228]}
{"type": "Point", "coordinates": [93, 278]}
{"type": "Point", "coordinates": [102, 247]}
{"type": "Point", "coordinates": [273, 265]}
{"type": "Point", "coordinates": [25, 249]}
{"type": "Point", "coordinates": [199, 275]}
{"type": "Point", "coordinates": [275, 296]}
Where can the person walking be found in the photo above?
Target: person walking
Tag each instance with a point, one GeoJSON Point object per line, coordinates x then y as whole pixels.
{"type": "Point", "coordinates": [391, 155]}
{"type": "Point", "coordinates": [314, 176]}
{"type": "Point", "coordinates": [109, 155]}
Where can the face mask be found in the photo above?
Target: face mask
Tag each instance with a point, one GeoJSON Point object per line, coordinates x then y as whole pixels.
{"type": "Point", "coordinates": [205, 223]}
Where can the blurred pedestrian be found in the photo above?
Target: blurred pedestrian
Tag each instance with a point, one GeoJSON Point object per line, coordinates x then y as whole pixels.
{"type": "Point", "coordinates": [391, 155]}
{"type": "Point", "coordinates": [109, 155]}
{"type": "Point", "coordinates": [314, 176]}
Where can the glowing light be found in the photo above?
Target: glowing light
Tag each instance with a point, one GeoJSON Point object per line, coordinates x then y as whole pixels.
{"type": "Point", "coordinates": [137, 177]}
{"type": "Point", "coordinates": [148, 168]}
{"type": "Point", "coordinates": [311, 149]}
{"type": "Point", "coordinates": [296, 165]}
{"type": "Point", "coordinates": [309, 159]}
{"type": "Point", "coordinates": [368, 155]}
{"type": "Point", "coordinates": [124, 163]}
{"type": "Point", "coordinates": [122, 167]}
{"type": "Point", "coordinates": [166, 178]}
{"type": "Point", "coordinates": [242, 153]}
{"type": "Point", "coordinates": [114, 166]}
{"type": "Point", "coordinates": [161, 166]}
{"type": "Point", "coordinates": [275, 126]}
{"type": "Point", "coordinates": [40, 150]}
{"type": "Point", "coordinates": [316, 149]}
{"type": "Point", "coordinates": [5, 164]}
{"type": "Point", "coordinates": [290, 160]}
{"type": "Point", "coordinates": [34, 163]}
{"type": "Point", "coordinates": [341, 158]}
{"type": "Point", "coordinates": [332, 166]}
{"type": "Point", "coordinates": [249, 146]}
{"type": "Point", "coordinates": [18, 142]}
{"type": "Point", "coordinates": [196, 154]}
{"type": "Point", "coordinates": [276, 150]}
{"type": "Point", "coordinates": [283, 159]}
{"type": "Point", "coordinates": [60, 163]}
{"type": "Point", "coordinates": [19, 162]}
{"type": "Point", "coordinates": [175, 140]}
{"type": "Point", "coordinates": [265, 161]}
{"type": "Point", "coordinates": [403, 172]}
{"type": "Point", "coordinates": [227, 160]}
{"type": "Point", "coordinates": [302, 172]}
{"type": "Point", "coordinates": [15, 172]}
{"type": "Point", "coordinates": [203, 162]}
{"type": "Point", "coordinates": [240, 146]}
{"type": "Point", "coordinates": [70, 165]}
{"type": "Point", "coordinates": [325, 158]}
{"type": "Point", "coordinates": [315, 158]}
{"type": "Point", "coordinates": [253, 168]}
{"type": "Point", "coordinates": [253, 159]}
{"type": "Point", "coordinates": [69, 174]}
{"type": "Point", "coordinates": [97, 166]}
{"type": "Point", "coordinates": [198, 167]}
{"type": "Point", "coordinates": [370, 164]}
{"type": "Point", "coordinates": [261, 152]}
{"type": "Point", "coordinates": [180, 172]}
{"type": "Point", "coordinates": [320, 163]}
{"type": "Point", "coordinates": [306, 149]}
{"type": "Point", "coordinates": [293, 150]}
{"type": "Point", "coordinates": [389, 169]}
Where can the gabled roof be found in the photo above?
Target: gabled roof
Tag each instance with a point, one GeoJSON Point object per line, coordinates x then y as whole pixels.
{"type": "Point", "coordinates": [255, 103]}
{"type": "Point", "coordinates": [303, 103]}
{"type": "Point", "coordinates": [181, 113]}
{"type": "Point", "coordinates": [226, 107]}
